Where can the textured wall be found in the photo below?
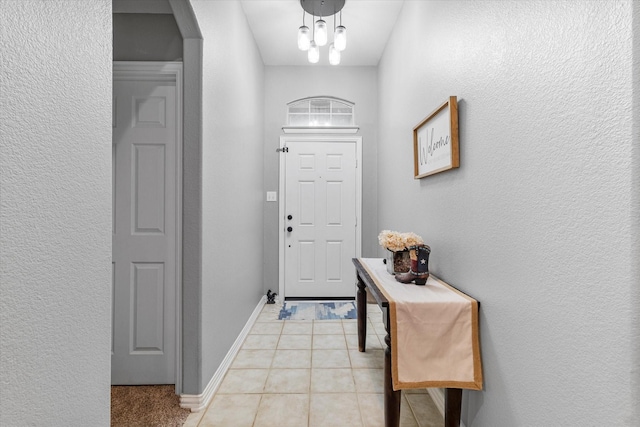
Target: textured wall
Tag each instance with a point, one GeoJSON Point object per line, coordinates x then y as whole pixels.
{"type": "Point", "coordinates": [286, 84]}
{"type": "Point", "coordinates": [55, 212]}
{"type": "Point", "coordinates": [232, 171]}
{"type": "Point", "coordinates": [635, 211]}
{"type": "Point", "coordinates": [537, 221]}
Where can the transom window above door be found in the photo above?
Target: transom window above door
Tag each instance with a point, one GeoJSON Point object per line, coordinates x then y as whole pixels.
{"type": "Point", "coordinates": [320, 114]}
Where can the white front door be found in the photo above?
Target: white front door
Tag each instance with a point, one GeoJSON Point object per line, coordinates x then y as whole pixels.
{"type": "Point", "coordinates": [144, 231]}
{"type": "Point", "coordinates": [320, 210]}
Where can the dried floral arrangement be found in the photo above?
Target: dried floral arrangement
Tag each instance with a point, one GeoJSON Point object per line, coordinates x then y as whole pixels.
{"type": "Point", "coordinates": [395, 241]}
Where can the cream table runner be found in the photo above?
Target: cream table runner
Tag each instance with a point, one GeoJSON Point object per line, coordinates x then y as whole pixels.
{"type": "Point", "coordinates": [434, 332]}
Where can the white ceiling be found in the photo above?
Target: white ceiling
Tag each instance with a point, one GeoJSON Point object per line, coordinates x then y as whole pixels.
{"type": "Point", "coordinates": [275, 27]}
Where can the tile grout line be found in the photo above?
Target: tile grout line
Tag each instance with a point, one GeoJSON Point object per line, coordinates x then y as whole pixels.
{"type": "Point", "coordinates": [357, 394]}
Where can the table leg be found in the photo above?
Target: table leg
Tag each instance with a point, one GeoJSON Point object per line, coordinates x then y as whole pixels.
{"type": "Point", "coordinates": [361, 302]}
{"type": "Point", "coordinates": [391, 397]}
{"type": "Point", "coordinates": [452, 406]}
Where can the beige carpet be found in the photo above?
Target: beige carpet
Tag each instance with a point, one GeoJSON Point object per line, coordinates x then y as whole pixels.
{"type": "Point", "coordinates": [146, 406]}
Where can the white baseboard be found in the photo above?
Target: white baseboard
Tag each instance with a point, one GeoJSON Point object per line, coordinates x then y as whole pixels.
{"type": "Point", "coordinates": [198, 402]}
{"type": "Point", "coordinates": [437, 395]}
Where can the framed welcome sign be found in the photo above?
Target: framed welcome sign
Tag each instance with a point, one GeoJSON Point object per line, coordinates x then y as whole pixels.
{"type": "Point", "coordinates": [435, 141]}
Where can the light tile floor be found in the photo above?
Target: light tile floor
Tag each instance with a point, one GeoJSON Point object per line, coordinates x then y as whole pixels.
{"type": "Point", "coordinates": [310, 373]}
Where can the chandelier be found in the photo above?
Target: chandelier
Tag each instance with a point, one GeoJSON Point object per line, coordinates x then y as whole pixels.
{"type": "Point", "coordinates": [310, 40]}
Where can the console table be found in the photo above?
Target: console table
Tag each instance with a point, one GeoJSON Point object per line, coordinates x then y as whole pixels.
{"type": "Point", "coordinates": [425, 370]}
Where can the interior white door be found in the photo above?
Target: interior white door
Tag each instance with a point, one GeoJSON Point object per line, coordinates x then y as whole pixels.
{"type": "Point", "coordinates": [144, 232]}
{"type": "Point", "coordinates": [320, 200]}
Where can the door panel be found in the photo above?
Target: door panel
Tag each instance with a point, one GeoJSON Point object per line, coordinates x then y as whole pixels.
{"type": "Point", "coordinates": [320, 195]}
{"type": "Point", "coordinates": [148, 186]}
{"type": "Point", "coordinates": [147, 311]}
{"type": "Point", "coordinates": [144, 232]}
{"type": "Point", "coordinates": [334, 261]}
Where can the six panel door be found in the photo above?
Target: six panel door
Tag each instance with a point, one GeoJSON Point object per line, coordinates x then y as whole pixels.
{"type": "Point", "coordinates": [144, 232]}
{"type": "Point", "coordinates": [320, 197]}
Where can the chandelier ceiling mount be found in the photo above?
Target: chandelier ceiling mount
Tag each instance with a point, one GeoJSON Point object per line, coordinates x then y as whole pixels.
{"type": "Point", "coordinates": [322, 7]}
{"type": "Point", "coordinates": [310, 40]}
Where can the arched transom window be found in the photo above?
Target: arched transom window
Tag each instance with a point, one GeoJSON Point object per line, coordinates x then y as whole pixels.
{"type": "Point", "coordinates": [320, 112]}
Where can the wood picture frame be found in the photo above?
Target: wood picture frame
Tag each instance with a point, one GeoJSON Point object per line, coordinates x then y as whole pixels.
{"type": "Point", "coordinates": [435, 141]}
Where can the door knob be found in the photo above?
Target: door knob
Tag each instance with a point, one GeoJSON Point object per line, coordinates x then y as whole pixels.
{"type": "Point", "coordinates": [289, 217]}
{"type": "Point", "coordinates": [289, 229]}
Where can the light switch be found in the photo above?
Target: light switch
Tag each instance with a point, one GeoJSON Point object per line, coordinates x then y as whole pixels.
{"type": "Point", "coordinates": [272, 196]}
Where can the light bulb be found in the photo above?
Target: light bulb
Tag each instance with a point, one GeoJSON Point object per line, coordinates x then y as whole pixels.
{"type": "Point", "coordinates": [334, 55]}
{"type": "Point", "coordinates": [313, 53]}
{"type": "Point", "coordinates": [320, 36]}
{"type": "Point", "coordinates": [340, 38]}
{"type": "Point", "coordinates": [303, 38]}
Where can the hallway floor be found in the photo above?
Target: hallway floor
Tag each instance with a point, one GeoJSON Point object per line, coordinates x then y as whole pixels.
{"type": "Point", "coordinates": [310, 373]}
